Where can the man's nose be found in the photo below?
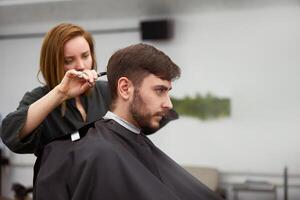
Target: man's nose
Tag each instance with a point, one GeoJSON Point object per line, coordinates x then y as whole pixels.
{"type": "Point", "coordinates": [168, 103]}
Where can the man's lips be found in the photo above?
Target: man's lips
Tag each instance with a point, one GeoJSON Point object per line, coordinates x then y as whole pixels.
{"type": "Point", "coordinates": [160, 115]}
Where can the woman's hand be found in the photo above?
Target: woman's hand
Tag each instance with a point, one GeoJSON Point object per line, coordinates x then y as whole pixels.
{"type": "Point", "coordinates": [75, 82]}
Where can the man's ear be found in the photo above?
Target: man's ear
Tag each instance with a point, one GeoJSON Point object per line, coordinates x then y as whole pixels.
{"type": "Point", "coordinates": [125, 88]}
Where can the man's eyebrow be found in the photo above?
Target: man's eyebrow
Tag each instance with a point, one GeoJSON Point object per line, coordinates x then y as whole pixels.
{"type": "Point", "coordinates": [162, 87]}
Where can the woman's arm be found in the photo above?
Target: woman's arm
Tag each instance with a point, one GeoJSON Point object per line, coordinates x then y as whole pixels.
{"type": "Point", "coordinates": [39, 110]}
{"type": "Point", "coordinates": [73, 84]}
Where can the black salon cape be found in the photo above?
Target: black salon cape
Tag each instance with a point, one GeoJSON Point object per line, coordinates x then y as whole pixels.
{"type": "Point", "coordinates": [109, 162]}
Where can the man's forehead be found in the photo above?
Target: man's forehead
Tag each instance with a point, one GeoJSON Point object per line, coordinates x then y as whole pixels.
{"type": "Point", "coordinates": [154, 80]}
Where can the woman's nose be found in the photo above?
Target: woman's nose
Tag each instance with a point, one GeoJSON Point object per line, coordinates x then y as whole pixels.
{"type": "Point", "coordinates": [80, 65]}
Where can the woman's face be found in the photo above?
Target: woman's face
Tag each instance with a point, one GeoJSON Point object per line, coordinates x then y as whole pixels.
{"type": "Point", "coordinates": [77, 54]}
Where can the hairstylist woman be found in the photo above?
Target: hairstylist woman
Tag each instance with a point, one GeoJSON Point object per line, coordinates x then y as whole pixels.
{"type": "Point", "coordinates": [70, 98]}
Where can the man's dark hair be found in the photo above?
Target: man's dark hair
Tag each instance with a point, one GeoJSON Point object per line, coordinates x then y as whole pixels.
{"type": "Point", "coordinates": [138, 61]}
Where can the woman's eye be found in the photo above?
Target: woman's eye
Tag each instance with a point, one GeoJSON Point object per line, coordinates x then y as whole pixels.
{"type": "Point", "coordinates": [68, 61]}
{"type": "Point", "coordinates": [85, 55]}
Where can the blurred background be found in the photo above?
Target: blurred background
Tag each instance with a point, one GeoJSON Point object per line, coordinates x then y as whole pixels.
{"type": "Point", "coordinates": [243, 50]}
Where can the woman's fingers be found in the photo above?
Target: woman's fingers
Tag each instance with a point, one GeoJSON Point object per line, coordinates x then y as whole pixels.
{"type": "Point", "coordinates": [95, 75]}
{"type": "Point", "coordinates": [87, 76]}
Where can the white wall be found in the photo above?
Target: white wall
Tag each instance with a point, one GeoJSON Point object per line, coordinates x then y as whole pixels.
{"type": "Point", "coordinates": [249, 55]}
{"type": "Point", "coordinates": [252, 57]}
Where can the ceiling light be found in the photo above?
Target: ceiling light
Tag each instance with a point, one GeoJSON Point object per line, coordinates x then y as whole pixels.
{"type": "Point", "coordinates": [23, 2]}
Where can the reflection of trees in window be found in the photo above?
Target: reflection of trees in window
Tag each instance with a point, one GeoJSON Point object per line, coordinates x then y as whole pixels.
{"type": "Point", "coordinates": [203, 107]}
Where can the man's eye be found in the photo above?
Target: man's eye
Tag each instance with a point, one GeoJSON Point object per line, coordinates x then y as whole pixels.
{"type": "Point", "coordinates": [159, 91]}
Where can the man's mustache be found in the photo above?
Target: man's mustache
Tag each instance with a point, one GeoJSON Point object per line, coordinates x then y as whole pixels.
{"type": "Point", "coordinates": [161, 113]}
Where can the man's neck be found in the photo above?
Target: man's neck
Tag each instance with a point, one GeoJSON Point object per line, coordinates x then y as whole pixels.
{"type": "Point", "coordinates": [123, 112]}
{"type": "Point", "coordinates": [123, 122]}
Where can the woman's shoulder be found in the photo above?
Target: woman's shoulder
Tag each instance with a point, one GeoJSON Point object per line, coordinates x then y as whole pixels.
{"type": "Point", "coordinates": [102, 87]}
{"type": "Point", "coordinates": [35, 94]}
{"type": "Point", "coordinates": [102, 94]}
{"type": "Point", "coordinates": [102, 84]}
{"type": "Point", "coordinates": [40, 90]}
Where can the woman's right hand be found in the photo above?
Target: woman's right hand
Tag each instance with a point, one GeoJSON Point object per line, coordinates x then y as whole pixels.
{"type": "Point", "coordinates": [74, 83]}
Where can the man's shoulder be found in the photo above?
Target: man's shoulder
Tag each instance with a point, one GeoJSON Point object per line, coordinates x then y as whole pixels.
{"type": "Point", "coordinates": [98, 142]}
{"type": "Point", "coordinates": [95, 137]}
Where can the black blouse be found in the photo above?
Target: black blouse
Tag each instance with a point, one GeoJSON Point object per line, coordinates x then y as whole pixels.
{"type": "Point", "coordinates": [55, 125]}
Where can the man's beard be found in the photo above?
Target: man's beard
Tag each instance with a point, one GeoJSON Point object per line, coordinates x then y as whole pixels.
{"type": "Point", "coordinates": [141, 114]}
